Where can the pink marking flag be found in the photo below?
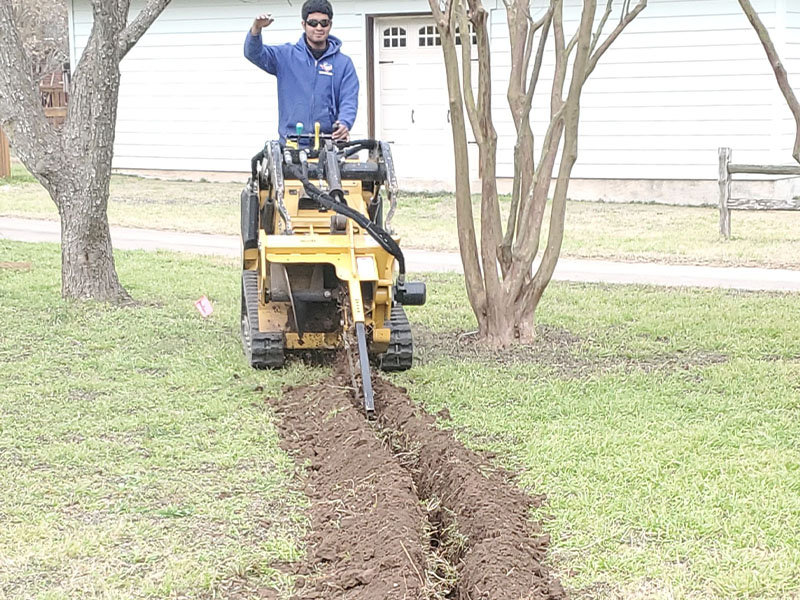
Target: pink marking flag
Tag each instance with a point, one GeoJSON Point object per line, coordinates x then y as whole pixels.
{"type": "Point", "coordinates": [204, 306]}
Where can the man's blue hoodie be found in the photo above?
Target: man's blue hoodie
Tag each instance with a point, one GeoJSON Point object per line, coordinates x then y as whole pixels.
{"type": "Point", "coordinates": [309, 90]}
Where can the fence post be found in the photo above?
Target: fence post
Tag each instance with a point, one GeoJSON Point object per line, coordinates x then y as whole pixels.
{"type": "Point", "coordinates": [724, 192]}
{"type": "Point", "coordinates": [5, 156]}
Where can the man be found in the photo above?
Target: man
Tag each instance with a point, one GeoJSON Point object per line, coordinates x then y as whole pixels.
{"type": "Point", "coordinates": [316, 82]}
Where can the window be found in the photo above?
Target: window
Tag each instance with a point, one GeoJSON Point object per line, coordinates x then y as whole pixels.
{"type": "Point", "coordinates": [472, 35]}
{"type": "Point", "coordinates": [429, 36]}
{"type": "Point", "coordinates": [394, 37]}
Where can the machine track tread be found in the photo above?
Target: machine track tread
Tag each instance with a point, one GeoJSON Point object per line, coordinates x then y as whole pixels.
{"type": "Point", "coordinates": [399, 355]}
{"type": "Point", "coordinates": [264, 350]}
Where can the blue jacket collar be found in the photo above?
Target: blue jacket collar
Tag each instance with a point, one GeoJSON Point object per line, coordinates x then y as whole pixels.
{"type": "Point", "coordinates": [334, 45]}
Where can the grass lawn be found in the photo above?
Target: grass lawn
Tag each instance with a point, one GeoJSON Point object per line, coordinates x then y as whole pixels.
{"type": "Point", "coordinates": [662, 424]}
{"type": "Point", "coordinates": [137, 456]}
{"type": "Point", "coordinates": [631, 232]}
{"type": "Point", "coordinates": [139, 460]}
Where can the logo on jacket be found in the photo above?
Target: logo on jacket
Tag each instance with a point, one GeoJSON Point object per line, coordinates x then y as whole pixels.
{"type": "Point", "coordinates": [326, 68]}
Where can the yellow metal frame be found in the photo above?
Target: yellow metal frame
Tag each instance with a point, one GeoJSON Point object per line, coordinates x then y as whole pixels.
{"type": "Point", "coordinates": [355, 256]}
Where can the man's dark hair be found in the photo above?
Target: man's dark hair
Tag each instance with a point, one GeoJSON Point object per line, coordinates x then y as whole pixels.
{"type": "Point", "coordinates": [320, 6]}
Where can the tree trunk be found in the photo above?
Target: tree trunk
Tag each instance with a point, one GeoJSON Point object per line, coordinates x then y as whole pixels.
{"type": "Point", "coordinates": [87, 261]}
{"type": "Point", "coordinates": [82, 190]}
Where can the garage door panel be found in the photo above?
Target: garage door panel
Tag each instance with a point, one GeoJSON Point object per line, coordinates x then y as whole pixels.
{"type": "Point", "coordinates": [413, 102]}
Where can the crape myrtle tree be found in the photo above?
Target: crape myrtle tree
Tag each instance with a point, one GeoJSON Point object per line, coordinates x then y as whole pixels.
{"type": "Point", "coordinates": [502, 287]}
{"type": "Point", "coordinates": [74, 162]}
{"type": "Point", "coordinates": [778, 68]}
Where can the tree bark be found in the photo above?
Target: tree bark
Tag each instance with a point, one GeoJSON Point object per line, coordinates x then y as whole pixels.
{"type": "Point", "coordinates": [87, 261]}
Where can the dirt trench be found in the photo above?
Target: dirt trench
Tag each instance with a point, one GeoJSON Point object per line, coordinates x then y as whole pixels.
{"type": "Point", "coordinates": [402, 510]}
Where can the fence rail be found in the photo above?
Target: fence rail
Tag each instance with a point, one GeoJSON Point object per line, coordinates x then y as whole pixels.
{"type": "Point", "coordinates": [727, 203]}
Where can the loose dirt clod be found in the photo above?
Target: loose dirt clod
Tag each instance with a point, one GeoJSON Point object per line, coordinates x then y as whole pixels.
{"type": "Point", "coordinates": [402, 510]}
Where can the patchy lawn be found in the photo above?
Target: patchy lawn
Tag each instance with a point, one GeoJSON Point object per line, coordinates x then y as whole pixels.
{"type": "Point", "coordinates": [628, 232]}
{"type": "Point", "coordinates": [140, 459]}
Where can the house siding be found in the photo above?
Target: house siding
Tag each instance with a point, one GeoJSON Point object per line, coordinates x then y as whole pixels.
{"type": "Point", "coordinates": [686, 77]}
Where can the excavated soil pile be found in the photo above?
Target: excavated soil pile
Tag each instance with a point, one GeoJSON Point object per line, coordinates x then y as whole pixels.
{"type": "Point", "coordinates": [504, 550]}
{"type": "Point", "coordinates": [368, 528]}
{"type": "Point", "coordinates": [402, 510]}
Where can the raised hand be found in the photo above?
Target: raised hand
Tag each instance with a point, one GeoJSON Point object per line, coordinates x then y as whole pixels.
{"type": "Point", "coordinates": [261, 21]}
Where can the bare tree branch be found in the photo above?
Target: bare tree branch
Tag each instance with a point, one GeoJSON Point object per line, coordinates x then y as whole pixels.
{"type": "Point", "coordinates": [561, 57]}
{"type": "Point", "coordinates": [624, 21]}
{"type": "Point", "coordinates": [602, 24]}
{"type": "Point", "coordinates": [467, 242]}
{"type": "Point", "coordinates": [777, 66]}
{"type": "Point", "coordinates": [570, 151]}
{"type": "Point", "coordinates": [537, 63]}
{"type": "Point", "coordinates": [140, 24]}
{"type": "Point", "coordinates": [491, 222]}
{"type": "Point", "coordinates": [523, 150]}
{"type": "Point", "coordinates": [466, 75]}
{"type": "Point", "coordinates": [626, 6]}
{"type": "Point", "coordinates": [526, 54]}
{"type": "Point", "coordinates": [571, 45]}
{"type": "Point", "coordinates": [437, 12]}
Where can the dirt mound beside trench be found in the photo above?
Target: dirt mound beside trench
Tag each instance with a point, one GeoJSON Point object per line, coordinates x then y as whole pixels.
{"type": "Point", "coordinates": [402, 510]}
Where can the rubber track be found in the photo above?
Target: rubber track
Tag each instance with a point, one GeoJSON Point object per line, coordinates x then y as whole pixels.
{"type": "Point", "coordinates": [400, 353]}
{"type": "Point", "coordinates": [263, 350]}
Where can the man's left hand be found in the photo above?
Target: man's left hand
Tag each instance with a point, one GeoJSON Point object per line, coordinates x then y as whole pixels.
{"type": "Point", "coordinates": [340, 132]}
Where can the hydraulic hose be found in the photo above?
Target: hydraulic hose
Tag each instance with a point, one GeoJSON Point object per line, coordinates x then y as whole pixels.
{"type": "Point", "coordinates": [384, 240]}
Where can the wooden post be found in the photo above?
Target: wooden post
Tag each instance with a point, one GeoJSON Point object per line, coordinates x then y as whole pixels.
{"type": "Point", "coordinates": [5, 156]}
{"type": "Point", "coordinates": [724, 192]}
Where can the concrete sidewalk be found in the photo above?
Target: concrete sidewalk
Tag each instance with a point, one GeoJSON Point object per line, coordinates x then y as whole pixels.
{"type": "Point", "coordinates": [597, 271]}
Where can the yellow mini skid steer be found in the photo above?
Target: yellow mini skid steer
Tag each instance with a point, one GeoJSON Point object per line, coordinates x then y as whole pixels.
{"type": "Point", "coordinates": [319, 269]}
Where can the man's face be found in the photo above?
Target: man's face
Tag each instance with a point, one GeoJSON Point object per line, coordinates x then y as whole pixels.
{"type": "Point", "coordinates": [317, 27]}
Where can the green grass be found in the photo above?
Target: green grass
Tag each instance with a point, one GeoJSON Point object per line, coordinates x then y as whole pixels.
{"type": "Point", "coordinates": [138, 458]}
{"type": "Point", "coordinates": [670, 461]}
{"type": "Point", "coordinates": [631, 232]}
{"type": "Point", "coordinates": [137, 202]}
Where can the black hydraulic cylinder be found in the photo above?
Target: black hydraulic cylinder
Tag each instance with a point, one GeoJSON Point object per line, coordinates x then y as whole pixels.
{"type": "Point", "coordinates": [332, 175]}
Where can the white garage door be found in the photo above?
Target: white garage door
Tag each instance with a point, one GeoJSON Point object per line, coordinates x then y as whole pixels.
{"type": "Point", "coordinates": [413, 111]}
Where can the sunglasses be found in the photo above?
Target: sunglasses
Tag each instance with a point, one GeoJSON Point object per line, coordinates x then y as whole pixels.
{"type": "Point", "coordinates": [315, 23]}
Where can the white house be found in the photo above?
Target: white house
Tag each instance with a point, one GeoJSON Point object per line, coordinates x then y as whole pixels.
{"type": "Point", "coordinates": [687, 77]}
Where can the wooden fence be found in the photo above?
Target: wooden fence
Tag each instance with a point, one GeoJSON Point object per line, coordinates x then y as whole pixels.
{"type": "Point", "coordinates": [54, 101]}
{"type": "Point", "coordinates": [727, 203]}
{"type": "Point", "coordinates": [5, 156]}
